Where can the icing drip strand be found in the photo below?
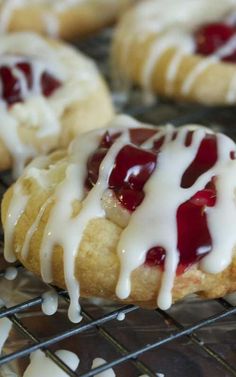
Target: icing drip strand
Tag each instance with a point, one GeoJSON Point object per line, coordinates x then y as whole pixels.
{"type": "Point", "coordinates": [99, 362]}
{"type": "Point", "coordinates": [5, 328]}
{"type": "Point", "coordinates": [41, 365]}
{"type": "Point", "coordinates": [50, 302]}
{"type": "Point", "coordinates": [170, 177]}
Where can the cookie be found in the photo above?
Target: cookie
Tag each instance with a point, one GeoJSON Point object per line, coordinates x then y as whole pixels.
{"type": "Point", "coordinates": [179, 49]}
{"type": "Point", "coordinates": [133, 213]}
{"type": "Point", "coordinates": [50, 92]}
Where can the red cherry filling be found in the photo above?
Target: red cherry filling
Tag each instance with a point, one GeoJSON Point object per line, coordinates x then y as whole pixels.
{"type": "Point", "coordinates": [49, 84]}
{"type": "Point", "coordinates": [11, 87]}
{"type": "Point", "coordinates": [93, 165]}
{"type": "Point", "coordinates": [205, 159]}
{"type": "Point", "coordinates": [132, 169]}
{"type": "Point", "coordinates": [194, 240]}
{"type": "Point", "coordinates": [139, 136]}
{"type": "Point", "coordinates": [211, 37]}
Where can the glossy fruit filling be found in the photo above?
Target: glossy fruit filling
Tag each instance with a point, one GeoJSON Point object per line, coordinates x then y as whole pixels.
{"type": "Point", "coordinates": [212, 37]}
{"type": "Point", "coordinates": [11, 82]}
{"type": "Point", "coordinates": [133, 167]}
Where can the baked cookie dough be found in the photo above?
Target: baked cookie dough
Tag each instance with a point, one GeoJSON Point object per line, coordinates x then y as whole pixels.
{"type": "Point", "coordinates": [179, 49]}
{"type": "Point", "coordinates": [59, 18]}
{"type": "Point", "coordinates": [132, 213]}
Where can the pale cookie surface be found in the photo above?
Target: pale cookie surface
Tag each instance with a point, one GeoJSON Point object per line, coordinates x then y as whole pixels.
{"type": "Point", "coordinates": [156, 46]}
{"type": "Point", "coordinates": [59, 18]}
{"type": "Point", "coordinates": [132, 212]}
{"type": "Point", "coordinates": [49, 92]}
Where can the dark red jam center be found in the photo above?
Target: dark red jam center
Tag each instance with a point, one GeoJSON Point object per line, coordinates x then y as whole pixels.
{"type": "Point", "coordinates": [11, 88]}
{"type": "Point", "coordinates": [211, 37]}
{"type": "Point", "coordinates": [133, 167]}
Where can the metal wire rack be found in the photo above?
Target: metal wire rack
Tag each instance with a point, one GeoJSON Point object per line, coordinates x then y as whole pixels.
{"type": "Point", "coordinates": [173, 343]}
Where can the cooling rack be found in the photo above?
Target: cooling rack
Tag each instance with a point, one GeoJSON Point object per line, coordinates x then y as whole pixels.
{"type": "Point", "coordinates": [194, 338]}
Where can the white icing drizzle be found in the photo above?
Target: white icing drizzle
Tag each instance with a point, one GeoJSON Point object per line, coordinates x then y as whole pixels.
{"type": "Point", "coordinates": [227, 49]}
{"type": "Point", "coordinates": [31, 231]}
{"type": "Point", "coordinates": [158, 194]}
{"type": "Point", "coordinates": [99, 362]}
{"type": "Point", "coordinates": [172, 23]}
{"type": "Point", "coordinates": [231, 95]}
{"type": "Point", "coordinates": [77, 75]}
{"type": "Point", "coordinates": [222, 247]}
{"type": "Point", "coordinates": [173, 69]}
{"type": "Point", "coordinates": [50, 302]}
{"type": "Point", "coordinates": [91, 208]}
{"type": "Point", "coordinates": [156, 214]}
{"type": "Point", "coordinates": [174, 159]}
{"type": "Point", "coordinates": [51, 24]}
{"type": "Point", "coordinates": [120, 317]}
{"type": "Point", "coordinates": [41, 365]}
{"type": "Point", "coordinates": [11, 273]}
{"type": "Point", "coordinates": [178, 39]}
{"type": "Point", "coordinates": [16, 208]}
{"type": "Point", "coordinates": [5, 328]}
{"type": "Point", "coordinates": [196, 72]}
{"type": "Point", "coordinates": [9, 133]}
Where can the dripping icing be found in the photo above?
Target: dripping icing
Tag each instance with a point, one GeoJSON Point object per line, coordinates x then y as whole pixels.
{"type": "Point", "coordinates": [5, 328]}
{"type": "Point", "coordinates": [120, 316]}
{"type": "Point", "coordinates": [78, 77]}
{"type": "Point", "coordinates": [91, 208]}
{"type": "Point", "coordinates": [41, 365]}
{"type": "Point", "coordinates": [173, 161]}
{"type": "Point", "coordinates": [50, 302]}
{"type": "Point", "coordinates": [98, 362]}
{"type": "Point", "coordinates": [11, 273]}
{"type": "Point", "coordinates": [17, 207]}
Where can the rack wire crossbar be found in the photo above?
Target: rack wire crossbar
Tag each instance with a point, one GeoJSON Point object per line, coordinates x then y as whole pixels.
{"type": "Point", "coordinates": [187, 331]}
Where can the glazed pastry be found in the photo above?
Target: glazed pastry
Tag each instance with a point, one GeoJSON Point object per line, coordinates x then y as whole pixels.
{"type": "Point", "coordinates": [133, 213]}
{"type": "Point", "coordinates": [49, 93]}
{"type": "Point", "coordinates": [59, 18]}
{"type": "Point", "coordinates": [180, 49]}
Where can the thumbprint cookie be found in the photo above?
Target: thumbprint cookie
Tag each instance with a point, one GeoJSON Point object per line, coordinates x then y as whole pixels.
{"type": "Point", "coordinates": [49, 92]}
{"type": "Point", "coordinates": [179, 49]}
{"type": "Point", "coordinates": [133, 213]}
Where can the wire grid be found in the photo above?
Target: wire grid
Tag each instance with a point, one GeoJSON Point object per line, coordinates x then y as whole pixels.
{"type": "Point", "coordinates": [125, 355]}
{"type": "Point", "coordinates": [161, 112]}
